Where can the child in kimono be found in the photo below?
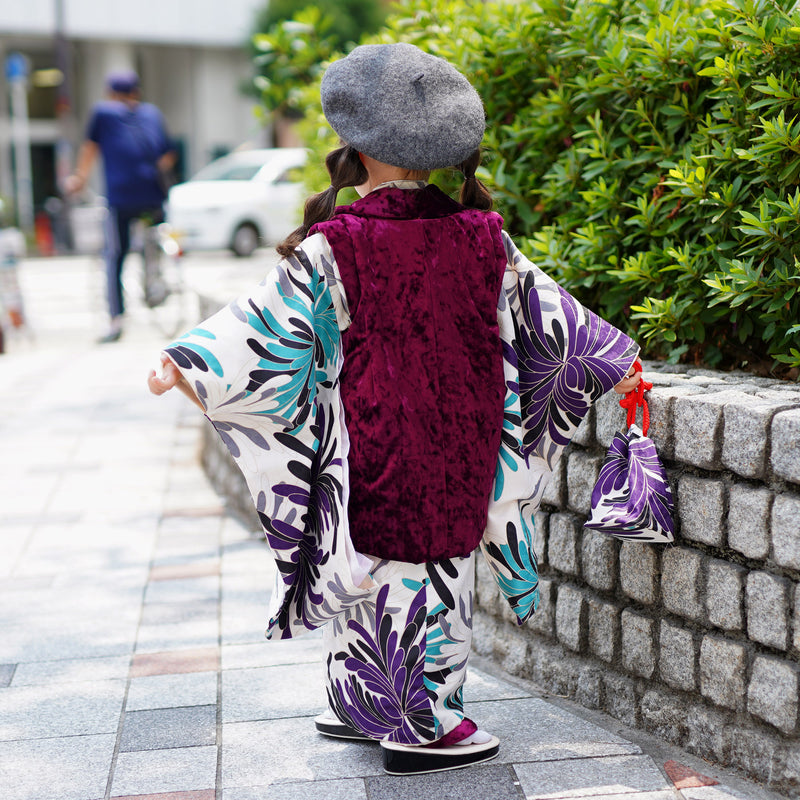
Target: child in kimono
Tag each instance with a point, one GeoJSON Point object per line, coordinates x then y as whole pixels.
{"type": "Point", "coordinates": [396, 394]}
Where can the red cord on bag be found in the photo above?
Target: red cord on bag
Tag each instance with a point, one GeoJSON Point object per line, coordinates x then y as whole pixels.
{"type": "Point", "coordinates": [634, 399]}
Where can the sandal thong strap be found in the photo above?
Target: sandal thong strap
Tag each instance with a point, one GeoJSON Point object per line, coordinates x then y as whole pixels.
{"type": "Point", "coordinates": [464, 730]}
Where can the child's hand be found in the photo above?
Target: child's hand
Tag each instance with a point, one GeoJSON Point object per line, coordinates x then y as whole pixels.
{"type": "Point", "coordinates": [170, 377]}
{"type": "Point", "coordinates": [629, 382]}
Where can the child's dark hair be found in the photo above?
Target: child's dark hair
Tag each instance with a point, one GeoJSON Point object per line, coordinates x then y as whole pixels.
{"type": "Point", "coordinates": [345, 168]}
{"type": "Point", "coordinates": [473, 193]}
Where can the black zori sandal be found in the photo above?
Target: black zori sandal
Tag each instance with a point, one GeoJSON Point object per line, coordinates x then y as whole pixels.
{"type": "Point", "coordinates": [406, 759]}
{"type": "Point", "coordinates": [462, 747]}
{"type": "Point", "coordinates": [328, 725]}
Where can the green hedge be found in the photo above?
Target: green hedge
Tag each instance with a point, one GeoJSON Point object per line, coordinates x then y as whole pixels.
{"type": "Point", "coordinates": [647, 154]}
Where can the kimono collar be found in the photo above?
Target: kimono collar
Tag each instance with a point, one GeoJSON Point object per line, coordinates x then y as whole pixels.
{"type": "Point", "coordinates": [403, 200]}
{"type": "Point", "coordinates": [401, 184]}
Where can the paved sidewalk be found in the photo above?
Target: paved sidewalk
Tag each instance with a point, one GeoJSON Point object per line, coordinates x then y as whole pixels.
{"type": "Point", "coordinates": [132, 608]}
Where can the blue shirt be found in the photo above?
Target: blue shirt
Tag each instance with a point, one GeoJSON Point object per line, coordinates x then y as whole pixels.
{"type": "Point", "coordinates": [131, 140]}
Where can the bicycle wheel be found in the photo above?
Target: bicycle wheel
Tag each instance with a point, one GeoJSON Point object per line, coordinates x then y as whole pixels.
{"type": "Point", "coordinates": [171, 315]}
{"type": "Point", "coordinates": [165, 293]}
{"type": "Point", "coordinates": [156, 286]}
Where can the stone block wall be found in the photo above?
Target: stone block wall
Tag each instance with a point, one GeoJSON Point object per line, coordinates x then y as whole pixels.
{"type": "Point", "coordinates": [697, 642]}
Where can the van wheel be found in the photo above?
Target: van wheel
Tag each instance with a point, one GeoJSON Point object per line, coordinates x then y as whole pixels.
{"type": "Point", "coordinates": [245, 240]}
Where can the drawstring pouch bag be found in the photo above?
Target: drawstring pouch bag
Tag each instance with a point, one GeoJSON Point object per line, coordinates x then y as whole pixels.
{"type": "Point", "coordinates": [632, 499]}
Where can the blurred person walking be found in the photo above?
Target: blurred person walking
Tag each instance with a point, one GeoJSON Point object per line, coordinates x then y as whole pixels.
{"type": "Point", "coordinates": [136, 150]}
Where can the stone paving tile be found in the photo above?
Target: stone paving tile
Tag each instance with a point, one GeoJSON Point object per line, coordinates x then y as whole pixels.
{"type": "Point", "coordinates": [236, 531]}
{"type": "Point", "coordinates": [203, 794]}
{"type": "Point", "coordinates": [184, 525]}
{"type": "Point", "coordinates": [662, 795]}
{"type": "Point", "coordinates": [13, 539]}
{"type": "Point", "coordinates": [158, 771]}
{"type": "Point", "coordinates": [75, 602]}
{"type": "Point", "coordinates": [307, 650]}
{"type": "Point", "coordinates": [244, 619]}
{"type": "Point", "coordinates": [44, 556]}
{"type": "Point", "coordinates": [715, 793]}
{"type": "Point", "coordinates": [6, 674]}
{"type": "Point", "coordinates": [248, 554]}
{"type": "Point", "coordinates": [65, 638]}
{"type": "Point", "coordinates": [166, 728]}
{"type": "Point", "coordinates": [196, 633]}
{"type": "Point", "coordinates": [482, 782]}
{"type": "Point", "coordinates": [194, 508]}
{"type": "Point", "coordinates": [61, 709]}
{"type": "Point", "coordinates": [246, 594]}
{"type": "Point", "coordinates": [480, 686]}
{"type": "Point", "coordinates": [72, 670]}
{"type": "Point", "coordinates": [352, 789]}
{"type": "Point", "coordinates": [171, 613]}
{"type": "Point", "coordinates": [197, 569]}
{"type": "Point", "coordinates": [87, 559]}
{"type": "Point", "coordinates": [186, 590]}
{"type": "Point", "coordinates": [172, 550]}
{"type": "Point", "coordinates": [533, 730]}
{"type": "Point", "coordinates": [289, 751]}
{"type": "Point", "coordinates": [49, 535]}
{"type": "Point", "coordinates": [172, 691]}
{"type": "Point", "coordinates": [71, 768]}
{"type": "Point", "coordinates": [590, 777]}
{"type": "Point", "coordinates": [65, 603]}
{"type": "Point", "coordinates": [118, 592]}
{"type": "Point", "coordinates": [28, 584]}
{"type": "Point", "coordinates": [169, 662]}
{"type": "Point", "coordinates": [273, 692]}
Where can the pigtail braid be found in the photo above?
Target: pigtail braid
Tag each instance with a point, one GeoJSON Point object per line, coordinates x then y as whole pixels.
{"type": "Point", "coordinates": [345, 169]}
{"type": "Point", "coordinates": [473, 193]}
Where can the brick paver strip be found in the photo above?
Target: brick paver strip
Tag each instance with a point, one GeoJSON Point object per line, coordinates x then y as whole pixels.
{"type": "Point", "coordinates": [202, 794]}
{"type": "Point", "coordinates": [168, 572]}
{"type": "Point", "coordinates": [205, 659]}
{"type": "Point", "coordinates": [684, 777]}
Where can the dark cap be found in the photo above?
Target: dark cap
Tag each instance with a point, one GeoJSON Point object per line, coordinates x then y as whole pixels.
{"type": "Point", "coordinates": [123, 81]}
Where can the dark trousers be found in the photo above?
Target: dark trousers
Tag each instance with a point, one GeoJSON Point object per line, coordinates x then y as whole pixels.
{"type": "Point", "coordinates": [117, 245]}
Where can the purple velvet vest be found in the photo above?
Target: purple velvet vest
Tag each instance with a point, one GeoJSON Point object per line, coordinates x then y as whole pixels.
{"type": "Point", "coordinates": [422, 383]}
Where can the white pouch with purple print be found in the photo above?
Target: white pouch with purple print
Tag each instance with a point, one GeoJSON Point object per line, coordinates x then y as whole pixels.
{"type": "Point", "coordinates": [632, 499]}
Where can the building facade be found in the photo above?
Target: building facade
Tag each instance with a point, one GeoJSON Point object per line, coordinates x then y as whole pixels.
{"type": "Point", "coordinates": [191, 57]}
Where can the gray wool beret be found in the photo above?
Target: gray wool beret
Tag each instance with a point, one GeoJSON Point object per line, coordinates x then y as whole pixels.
{"type": "Point", "coordinates": [402, 106]}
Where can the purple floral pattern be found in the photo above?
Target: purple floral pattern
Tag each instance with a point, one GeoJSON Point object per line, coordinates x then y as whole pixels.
{"type": "Point", "coordinates": [632, 498]}
{"type": "Point", "coordinates": [398, 675]}
{"type": "Point", "coordinates": [559, 357]}
{"type": "Point", "coordinates": [266, 370]}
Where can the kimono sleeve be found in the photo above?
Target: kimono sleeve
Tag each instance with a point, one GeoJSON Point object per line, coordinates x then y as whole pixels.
{"type": "Point", "coordinates": [558, 359]}
{"type": "Point", "coordinates": [266, 370]}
